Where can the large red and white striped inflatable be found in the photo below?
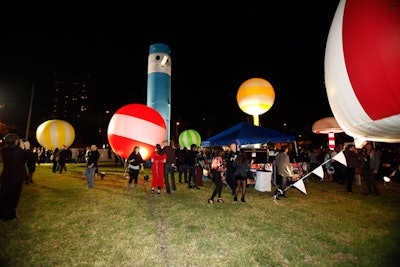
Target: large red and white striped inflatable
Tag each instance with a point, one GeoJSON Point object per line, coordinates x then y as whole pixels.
{"type": "Point", "coordinates": [136, 125]}
{"type": "Point", "coordinates": [362, 69]}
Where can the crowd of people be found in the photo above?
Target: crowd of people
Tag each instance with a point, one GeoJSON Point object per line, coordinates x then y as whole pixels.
{"type": "Point", "coordinates": [364, 166]}
{"type": "Point", "coordinates": [230, 166]}
{"type": "Point", "coordinates": [189, 165]}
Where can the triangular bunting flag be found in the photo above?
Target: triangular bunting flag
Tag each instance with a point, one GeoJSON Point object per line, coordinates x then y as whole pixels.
{"type": "Point", "coordinates": [319, 171]}
{"type": "Point", "coordinates": [300, 185]}
{"type": "Point", "coordinates": [340, 158]}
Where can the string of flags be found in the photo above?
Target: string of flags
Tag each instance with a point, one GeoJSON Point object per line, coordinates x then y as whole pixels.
{"type": "Point", "coordinates": [319, 171]}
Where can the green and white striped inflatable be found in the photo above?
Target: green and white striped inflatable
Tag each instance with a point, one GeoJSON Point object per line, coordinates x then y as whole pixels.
{"type": "Point", "coordinates": [189, 137]}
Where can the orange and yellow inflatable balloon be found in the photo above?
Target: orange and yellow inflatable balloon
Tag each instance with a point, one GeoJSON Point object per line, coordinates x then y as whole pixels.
{"type": "Point", "coordinates": [255, 97]}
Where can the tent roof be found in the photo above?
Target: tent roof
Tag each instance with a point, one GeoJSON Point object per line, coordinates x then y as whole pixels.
{"type": "Point", "coordinates": [245, 134]}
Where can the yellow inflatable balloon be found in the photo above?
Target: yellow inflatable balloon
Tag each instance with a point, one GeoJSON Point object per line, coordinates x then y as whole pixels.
{"type": "Point", "coordinates": [55, 133]}
{"type": "Point", "coordinates": [255, 96]}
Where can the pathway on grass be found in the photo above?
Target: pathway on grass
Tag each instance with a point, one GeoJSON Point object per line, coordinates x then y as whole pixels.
{"type": "Point", "coordinates": [159, 223]}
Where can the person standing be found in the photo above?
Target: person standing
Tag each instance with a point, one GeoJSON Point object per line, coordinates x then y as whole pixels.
{"type": "Point", "coordinates": [42, 155]}
{"type": "Point", "coordinates": [199, 167]}
{"type": "Point", "coordinates": [49, 154]}
{"type": "Point", "coordinates": [191, 163]}
{"type": "Point", "coordinates": [370, 168]}
{"type": "Point", "coordinates": [217, 167]}
{"type": "Point", "coordinates": [340, 170]}
{"type": "Point", "coordinates": [64, 156]}
{"type": "Point", "coordinates": [55, 159]}
{"type": "Point", "coordinates": [81, 156]}
{"type": "Point", "coordinates": [158, 158]}
{"type": "Point", "coordinates": [242, 167]}
{"type": "Point", "coordinates": [91, 166]}
{"type": "Point", "coordinates": [352, 162]}
{"type": "Point", "coordinates": [135, 162]}
{"type": "Point", "coordinates": [177, 149]}
{"type": "Point", "coordinates": [230, 159]}
{"type": "Point", "coordinates": [13, 175]}
{"type": "Point", "coordinates": [313, 157]}
{"type": "Point", "coordinates": [283, 170]}
{"type": "Point", "coordinates": [388, 162]}
{"type": "Point", "coordinates": [183, 168]}
{"type": "Point", "coordinates": [31, 162]}
{"type": "Point", "coordinates": [169, 166]}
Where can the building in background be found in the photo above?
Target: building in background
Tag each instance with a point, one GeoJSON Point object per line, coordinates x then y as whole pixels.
{"type": "Point", "coordinates": [71, 97]}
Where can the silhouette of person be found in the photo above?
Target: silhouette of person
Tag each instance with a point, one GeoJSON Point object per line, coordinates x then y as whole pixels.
{"type": "Point", "coordinates": [13, 175]}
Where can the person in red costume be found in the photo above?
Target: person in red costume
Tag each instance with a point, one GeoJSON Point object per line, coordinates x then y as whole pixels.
{"type": "Point", "coordinates": [158, 158]}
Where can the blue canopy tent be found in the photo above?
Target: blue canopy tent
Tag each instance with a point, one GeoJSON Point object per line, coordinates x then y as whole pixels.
{"type": "Point", "coordinates": [246, 134]}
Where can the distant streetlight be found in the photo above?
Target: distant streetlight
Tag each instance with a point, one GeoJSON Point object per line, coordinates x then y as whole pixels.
{"type": "Point", "coordinates": [177, 130]}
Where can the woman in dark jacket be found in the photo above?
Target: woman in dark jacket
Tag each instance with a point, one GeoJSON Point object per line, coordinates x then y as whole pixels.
{"type": "Point", "coordinates": [241, 167]}
{"type": "Point", "coordinates": [135, 163]}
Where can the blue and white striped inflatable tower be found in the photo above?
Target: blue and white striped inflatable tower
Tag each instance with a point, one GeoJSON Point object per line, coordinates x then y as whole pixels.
{"type": "Point", "coordinates": [159, 82]}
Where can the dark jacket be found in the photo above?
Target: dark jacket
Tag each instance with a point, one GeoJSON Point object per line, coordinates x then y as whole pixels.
{"type": "Point", "coordinates": [171, 157]}
{"type": "Point", "coordinates": [242, 168]}
{"type": "Point", "coordinates": [14, 168]}
{"type": "Point", "coordinates": [191, 158]}
{"type": "Point", "coordinates": [65, 154]}
{"type": "Point", "coordinates": [352, 159]}
{"type": "Point", "coordinates": [94, 156]}
{"type": "Point", "coordinates": [137, 159]}
{"type": "Point", "coordinates": [31, 162]}
{"type": "Point", "coordinates": [182, 156]}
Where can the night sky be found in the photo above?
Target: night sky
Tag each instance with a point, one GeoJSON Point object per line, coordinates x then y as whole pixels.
{"type": "Point", "coordinates": [214, 48]}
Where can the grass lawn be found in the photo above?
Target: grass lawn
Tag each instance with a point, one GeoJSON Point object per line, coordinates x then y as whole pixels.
{"type": "Point", "coordinates": [60, 223]}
